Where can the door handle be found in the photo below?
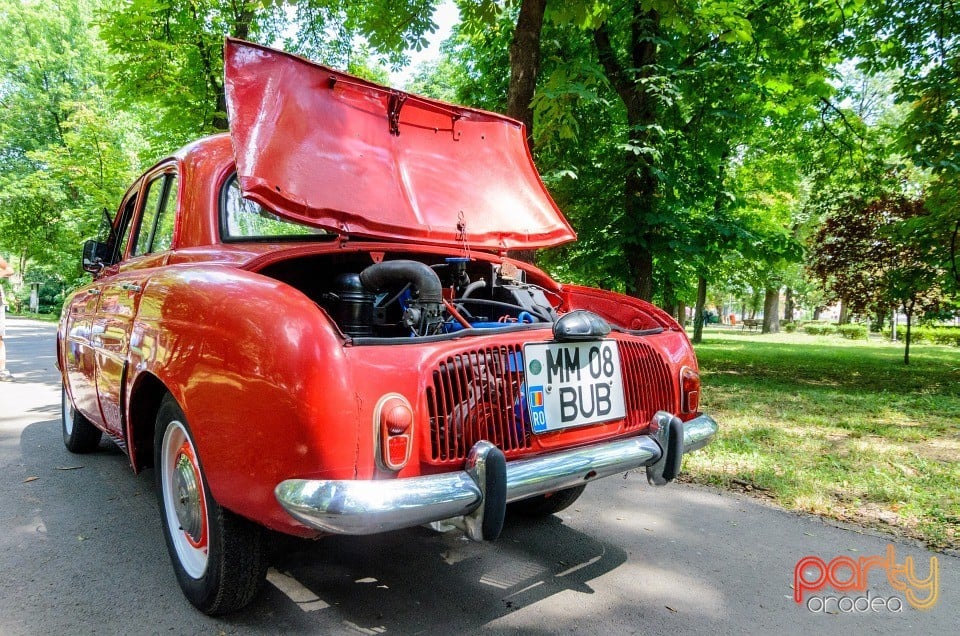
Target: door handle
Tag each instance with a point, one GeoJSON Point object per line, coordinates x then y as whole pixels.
{"type": "Point", "coordinates": [131, 287]}
{"type": "Point", "coordinates": [93, 292]}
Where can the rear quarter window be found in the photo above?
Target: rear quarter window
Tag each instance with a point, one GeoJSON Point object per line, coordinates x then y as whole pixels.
{"type": "Point", "coordinates": [243, 219]}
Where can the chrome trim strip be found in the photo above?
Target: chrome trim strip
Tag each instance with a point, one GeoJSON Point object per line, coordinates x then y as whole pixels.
{"type": "Point", "coordinates": [369, 506]}
{"type": "Point", "coordinates": [698, 432]}
{"type": "Point", "coordinates": [565, 469]}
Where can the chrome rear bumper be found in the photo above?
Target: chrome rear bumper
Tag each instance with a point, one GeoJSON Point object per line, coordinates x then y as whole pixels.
{"type": "Point", "coordinates": [356, 507]}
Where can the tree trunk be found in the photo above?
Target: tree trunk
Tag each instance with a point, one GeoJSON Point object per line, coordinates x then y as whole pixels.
{"type": "Point", "coordinates": [844, 314]}
{"type": "Point", "coordinates": [878, 321]}
{"type": "Point", "coordinates": [699, 312]}
{"type": "Point", "coordinates": [525, 63]}
{"type": "Point", "coordinates": [788, 305]}
{"type": "Point", "coordinates": [640, 262]}
{"type": "Point", "coordinates": [771, 310]}
{"type": "Point", "coordinates": [669, 303]}
{"type": "Point", "coordinates": [816, 312]}
{"type": "Point", "coordinates": [210, 57]}
{"type": "Point", "coordinates": [955, 252]}
{"type": "Point", "coordinates": [908, 310]}
{"type": "Point", "coordinates": [640, 177]}
{"type": "Point", "coordinates": [524, 70]}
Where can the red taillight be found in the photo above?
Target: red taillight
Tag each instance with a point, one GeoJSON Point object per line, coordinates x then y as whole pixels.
{"type": "Point", "coordinates": [398, 449]}
{"type": "Point", "coordinates": [689, 390]}
{"type": "Point", "coordinates": [396, 416]}
{"type": "Point", "coordinates": [393, 417]}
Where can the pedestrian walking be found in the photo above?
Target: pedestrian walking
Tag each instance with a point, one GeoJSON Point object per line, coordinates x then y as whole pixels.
{"type": "Point", "coordinates": [5, 272]}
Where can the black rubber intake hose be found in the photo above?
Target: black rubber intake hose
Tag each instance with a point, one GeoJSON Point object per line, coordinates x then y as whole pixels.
{"type": "Point", "coordinates": [424, 280]}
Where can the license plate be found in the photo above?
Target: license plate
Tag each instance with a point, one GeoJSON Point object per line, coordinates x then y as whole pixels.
{"type": "Point", "coordinates": [573, 384]}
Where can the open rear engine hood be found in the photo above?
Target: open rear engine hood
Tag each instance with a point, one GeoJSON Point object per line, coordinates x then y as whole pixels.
{"type": "Point", "coordinates": [337, 152]}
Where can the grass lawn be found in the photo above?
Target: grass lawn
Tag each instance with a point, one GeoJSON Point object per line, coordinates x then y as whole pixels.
{"type": "Point", "coordinates": [837, 428]}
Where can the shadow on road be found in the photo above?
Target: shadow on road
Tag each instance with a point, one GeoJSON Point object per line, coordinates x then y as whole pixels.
{"type": "Point", "coordinates": [402, 582]}
{"type": "Point", "coordinates": [420, 581]}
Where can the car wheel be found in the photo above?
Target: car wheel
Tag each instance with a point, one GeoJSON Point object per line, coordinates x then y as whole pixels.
{"type": "Point", "coordinates": [543, 505]}
{"type": "Point", "coordinates": [219, 558]}
{"type": "Point", "coordinates": [79, 434]}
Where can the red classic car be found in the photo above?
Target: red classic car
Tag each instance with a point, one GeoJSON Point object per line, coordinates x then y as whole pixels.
{"type": "Point", "coordinates": [311, 325]}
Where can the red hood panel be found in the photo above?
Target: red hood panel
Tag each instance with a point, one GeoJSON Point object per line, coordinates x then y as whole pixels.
{"type": "Point", "coordinates": [318, 146]}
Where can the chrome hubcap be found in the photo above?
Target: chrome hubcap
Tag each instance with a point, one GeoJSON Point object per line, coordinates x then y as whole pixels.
{"type": "Point", "coordinates": [187, 503]}
{"type": "Point", "coordinates": [66, 412]}
{"type": "Point", "coordinates": [183, 500]}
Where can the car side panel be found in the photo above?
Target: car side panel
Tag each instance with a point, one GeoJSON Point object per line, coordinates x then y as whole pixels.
{"type": "Point", "coordinates": [261, 376]}
{"type": "Point", "coordinates": [112, 324]}
{"type": "Point", "coordinates": [77, 356]}
{"type": "Point", "coordinates": [119, 302]}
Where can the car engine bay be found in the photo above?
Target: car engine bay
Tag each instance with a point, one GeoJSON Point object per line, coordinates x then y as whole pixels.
{"type": "Point", "coordinates": [406, 297]}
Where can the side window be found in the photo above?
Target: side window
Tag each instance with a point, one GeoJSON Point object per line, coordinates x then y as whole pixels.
{"type": "Point", "coordinates": [148, 217]}
{"type": "Point", "coordinates": [242, 218]}
{"type": "Point", "coordinates": [163, 237]}
{"type": "Point", "coordinates": [155, 233]}
{"type": "Point", "coordinates": [123, 229]}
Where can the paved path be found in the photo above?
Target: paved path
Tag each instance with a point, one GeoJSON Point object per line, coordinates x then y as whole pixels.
{"type": "Point", "coordinates": [81, 552]}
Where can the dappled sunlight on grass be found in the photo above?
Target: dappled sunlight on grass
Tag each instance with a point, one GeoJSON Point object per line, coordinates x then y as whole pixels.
{"type": "Point", "coordinates": [838, 428]}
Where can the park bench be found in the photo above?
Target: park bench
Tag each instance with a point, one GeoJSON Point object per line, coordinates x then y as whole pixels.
{"type": "Point", "coordinates": [750, 323]}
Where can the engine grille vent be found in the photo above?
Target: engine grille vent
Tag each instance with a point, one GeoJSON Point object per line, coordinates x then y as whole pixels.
{"type": "Point", "coordinates": [477, 395]}
{"type": "Point", "coordinates": [648, 385]}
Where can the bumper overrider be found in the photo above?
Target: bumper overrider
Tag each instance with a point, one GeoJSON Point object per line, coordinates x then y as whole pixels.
{"type": "Point", "coordinates": [475, 498]}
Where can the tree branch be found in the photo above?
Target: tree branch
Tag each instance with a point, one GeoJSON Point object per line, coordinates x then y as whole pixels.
{"type": "Point", "coordinates": [715, 40]}
{"type": "Point", "coordinates": [843, 118]}
{"type": "Point", "coordinates": [611, 65]}
{"type": "Point", "coordinates": [219, 116]}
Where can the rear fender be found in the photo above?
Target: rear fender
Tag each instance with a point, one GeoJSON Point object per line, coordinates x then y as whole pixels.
{"type": "Point", "coordinates": [259, 372]}
{"type": "Point", "coordinates": [620, 310]}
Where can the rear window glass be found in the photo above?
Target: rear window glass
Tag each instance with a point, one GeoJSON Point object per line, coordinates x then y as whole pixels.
{"type": "Point", "coordinates": [242, 219]}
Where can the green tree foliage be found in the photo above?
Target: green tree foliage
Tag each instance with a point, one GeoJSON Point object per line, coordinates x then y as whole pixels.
{"type": "Point", "coordinates": [677, 97]}
{"type": "Point", "coordinates": [390, 27]}
{"type": "Point", "coordinates": [47, 62]}
{"type": "Point", "coordinates": [695, 146]}
{"type": "Point", "coordinates": [65, 152]}
{"type": "Point", "coordinates": [169, 55]}
{"type": "Point", "coordinates": [879, 255]}
{"type": "Point", "coordinates": [701, 84]}
{"type": "Point", "coordinates": [917, 39]}
{"type": "Point", "coordinates": [438, 79]}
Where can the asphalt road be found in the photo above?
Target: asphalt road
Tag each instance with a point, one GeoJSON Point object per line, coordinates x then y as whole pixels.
{"type": "Point", "coordinates": [81, 552]}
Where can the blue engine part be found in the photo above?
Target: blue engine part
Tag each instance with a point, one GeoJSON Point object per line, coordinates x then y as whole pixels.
{"type": "Point", "coordinates": [524, 318]}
